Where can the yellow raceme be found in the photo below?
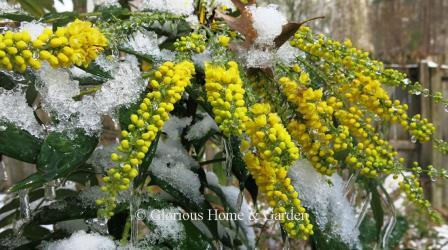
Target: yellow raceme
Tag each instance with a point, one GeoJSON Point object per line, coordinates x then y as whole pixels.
{"type": "Point", "coordinates": [225, 93]}
{"type": "Point", "coordinates": [167, 84]}
{"type": "Point", "coordinates": [268, 153]}
{"type": "Point", "coordinates": [78, 43]}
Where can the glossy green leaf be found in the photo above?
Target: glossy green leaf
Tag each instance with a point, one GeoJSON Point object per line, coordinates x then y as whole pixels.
{"type": "Point", "coordinates": [36, 7]}
{"type": "Point", "coordinates": [60, 155]}
{"type": "Point", "coordinates": [18, 143]}
{"type": "Point", "coordinates": [377, 209]}
{"type": "Point", "coordinates": [17, 16]}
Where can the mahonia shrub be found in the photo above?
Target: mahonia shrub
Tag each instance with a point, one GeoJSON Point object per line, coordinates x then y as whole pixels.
{"type": "Point", "coordinates": [198, 109]}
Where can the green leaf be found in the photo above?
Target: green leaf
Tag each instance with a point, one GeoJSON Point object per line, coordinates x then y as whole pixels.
{"type": "Point", "coordinates": [218, 191]}
{"type": "Point", "coordinates": [139, 55]}
{"type": "Point", "coordinates": [9, 80]}
{"type": "Point", "coordinates": [97, 70]}
{"type": "Point", "coordinates": [377, 209]}
{"type": "Point", "coordinates": [60, 155]}
{"type": "Point", "coordinates": [143, 168]}
{"type": "Point", "coordinates": [70, 208]}
{"type": "Point", "coordinates": [37, 7]}
{"type": "Point", "coordinates": [323, 239]}
{"type": "Point", "coordinates": [17, 16]}
{"type": "Point", "coordinates": [59, 19]}
{"type": "Point", "coordinates": [19, 144]}
{"type": "Point", "coordinates": [35, 232]}
{"type": "Point", "coordinates": [240, 170]}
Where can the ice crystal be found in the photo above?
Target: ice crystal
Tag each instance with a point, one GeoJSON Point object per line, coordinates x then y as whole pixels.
{"type": "Point", "coordinates": [14, 109]}
{"type": "Point", "coordinates": [327, 201]}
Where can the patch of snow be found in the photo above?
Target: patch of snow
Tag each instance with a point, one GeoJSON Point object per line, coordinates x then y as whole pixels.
{"type": "Point", "coordinates": [212, 179]}
{"type": "Point", "coordinates": [173, 164]}
{"type": "Point", "coordinates": [6, 6]}
{"type": "Point", "coordinates": [176, 7]}
{"type": "Point", "coordinates": [326, 201]}
{"type": "Point", "coordinates": [33, 28]}
{"type": "Point", "coordinates": [82, 240]}
{"type": "Point", "coordinates": [287, 54]}
{"type": "Point", "coordinates": [58, 90]}
{"type": "Point", "coordinates": [268, 21]}
{"type": "Point", "coordinates": [107, 3]}
{"type": "Point", "coordinates": [168, 225]}
{"type": "Point", "coordinates": [14, 109]}
{"type": "Point", "coordinates": [202, 127]}
{"type": "Point", "coordinates": [259, 58]}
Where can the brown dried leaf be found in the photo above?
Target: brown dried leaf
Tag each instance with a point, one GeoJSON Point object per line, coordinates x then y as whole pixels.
{"type": "Point", "coordinates": [241, 24]}
{"type": "Point", "coordinates": [289, 30]}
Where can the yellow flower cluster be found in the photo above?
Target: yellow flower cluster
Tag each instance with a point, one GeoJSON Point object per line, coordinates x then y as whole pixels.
{"type": "Point", "coordinates": [315, 131]}
{"type": "Point", "coordinates": [225, 93]}
{"type": "Point", "coordinates": [78, 43]}
{"type": "Point", "coordinates": [337, 53]}
{"type": "Point", "coordinates": [224, 40]}
{"type": "Point", "coordinates": [167, 84]}
{"type": "Point", "coordinates": [194, 43]}
{"type": "Point", "coordinates": [421, 129]}
{"type": "Point", "coordinates": [369, 93]}
{"type": "Point", "coordinates": [413, 190]}
{"type": "Point", "coordinates": [16, 52]}
{"type": "Point", "coordinates": [268, 155]}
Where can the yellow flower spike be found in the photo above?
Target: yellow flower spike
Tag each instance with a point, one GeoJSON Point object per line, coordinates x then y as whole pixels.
{"type": "Point", "coordinates": [225, 93]}
{"type": "Point", "coordinates": [79, 46]}
{"type": "Point", "coordinates": [144, 127]}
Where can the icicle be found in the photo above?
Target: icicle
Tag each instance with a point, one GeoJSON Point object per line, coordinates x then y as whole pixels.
{"type": "Point", "coordinates": [239, 201]}
{"type": "Point", "coordinates": [3, 172]}
{"type": "Point", "coordinates": [134, 205]}
{"type": "Point", "coordinates": [229, 156]}
{"type": "Point", "coordinates": [363, 211]}
{"type": "Point", "coordinates": [392, 220]}
{"type": "Point", "coordinates": [50, 191]}
{"type": "Point", "coordinates": [25, 210]}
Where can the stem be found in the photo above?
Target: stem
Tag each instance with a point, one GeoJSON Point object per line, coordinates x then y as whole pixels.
{"type": "Point", "coordinates": [211, 161]}
{"type": "Point", "coordinates": [125, 234]}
